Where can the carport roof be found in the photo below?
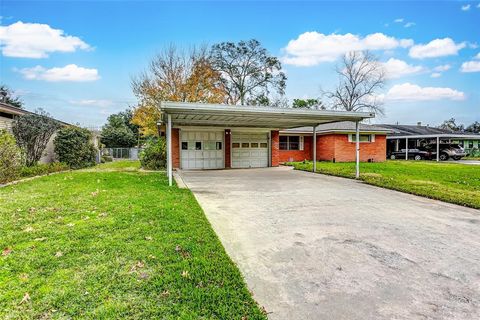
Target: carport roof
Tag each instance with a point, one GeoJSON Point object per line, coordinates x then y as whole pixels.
{"type": "Point", "coordinates": [199, 114]}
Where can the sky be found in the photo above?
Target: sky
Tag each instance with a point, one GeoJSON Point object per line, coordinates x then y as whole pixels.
{"type": "Point", "coordinates": [76, 59]}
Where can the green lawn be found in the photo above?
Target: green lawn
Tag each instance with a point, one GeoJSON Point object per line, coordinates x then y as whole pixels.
{"type": "Point", "coordinates": [113, 243]}
{"type": "Point", "coordinates": [450, 182]}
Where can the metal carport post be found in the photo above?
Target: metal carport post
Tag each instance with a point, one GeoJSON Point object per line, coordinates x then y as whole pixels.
{"type": "Point", "coordinates": [357, 149]}
{"type": "Point", "coordinates": [314, 143]}
{"type": "Point", "coordinates": [169, 150]}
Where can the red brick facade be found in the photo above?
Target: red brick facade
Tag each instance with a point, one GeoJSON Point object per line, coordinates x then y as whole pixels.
{"type": "Point", "coordinates": [336, 147]}
{"type": "Point", "coordinates": [176, 148]}
{"type": "Point", "coordinates": [227, 139]}
{"type": "Point", "coordinates": [275, 152]}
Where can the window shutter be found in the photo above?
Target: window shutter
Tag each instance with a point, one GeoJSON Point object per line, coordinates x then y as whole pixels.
{"type": "Point", "coordinates": [301, 142]}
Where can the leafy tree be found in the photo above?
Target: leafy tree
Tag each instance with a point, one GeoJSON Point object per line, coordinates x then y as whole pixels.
{"type": "Point", "coordinates": [74, 147]}
{"type": "Point", "coordinates": [32, 132]}
{"type": "Point", "coordinates": [307, 104]}
{"type": "Point", "coordinates": [247, 70]}
{"type": "Point", "coordinates": [119, 132]}
{"type": "Point", "coordinates": [360, 77]}
{"type": "Point", "coordinates": [474, 127]}
{"type": "Point", "coordinates": [174, 75]}
{"type": "Point", "coordinates": [451, 125]}
{"type": "Point", "coordinates": [10, 157]}
{"type": "Point", "coordinates": [154, 156]}
{"type": "Point", "coordinates": [7, 96]}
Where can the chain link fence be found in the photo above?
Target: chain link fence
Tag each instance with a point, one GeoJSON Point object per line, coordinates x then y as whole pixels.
{"type": "Point", "coordinates": [120, 153]}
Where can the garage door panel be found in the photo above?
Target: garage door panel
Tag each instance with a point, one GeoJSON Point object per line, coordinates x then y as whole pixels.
{"type": "Point", "coordinates": [204, 149]}
{"type": "Point", "coordinates": [249, 150]}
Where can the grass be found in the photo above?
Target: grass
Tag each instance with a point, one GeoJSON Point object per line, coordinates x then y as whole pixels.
{"type": "Point", "coordinates": [450, 182]}
{"type": "Point", "coordinates": [113, 243]}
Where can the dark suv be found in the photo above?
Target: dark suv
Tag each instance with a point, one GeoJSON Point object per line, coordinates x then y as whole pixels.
{"type": "Point", "coordinates": [415, 154]}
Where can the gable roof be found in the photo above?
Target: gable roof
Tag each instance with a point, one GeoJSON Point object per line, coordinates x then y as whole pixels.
{"type": "Point", "coordinates": [340, 127]}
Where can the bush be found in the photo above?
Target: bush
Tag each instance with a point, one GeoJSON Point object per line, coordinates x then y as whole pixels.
{"type": "Point", "coordinates": [10, 157]}
{"type": "Point", "coordinates": [43, 168]}
{"type": "Point", "coordinates": [153, 157]}
{"type": "Point", "coordinates": [73, 147]}
{"type": "Point", "coordinates": [107, 159]}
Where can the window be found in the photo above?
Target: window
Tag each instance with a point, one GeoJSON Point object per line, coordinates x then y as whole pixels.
{"type": "Point", "coordinates": [290, 143]}
{"type": "Point", "coordinates": [198, 145]}
{"type": "Point", "coordinates": [363, 138]}
{"type": "Point", "coordinates": [184, 145]}
{"type": "Point", "coordinates": [245, 144]}
{"type": "Point", "coordinates": [470, 144]}
{"type": "Point", "coordinates": [263, 145]}
{"type": "Point", "coordinates": [254, 145]}
{"type": "Point", "coordinates": [235, 145]}
{"type": "Point", "coordinates": [219, 145]}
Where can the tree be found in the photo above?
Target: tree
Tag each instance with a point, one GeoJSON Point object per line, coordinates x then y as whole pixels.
{"type": "Point", "coordinates": [7, 96]}
{"type": "Point", "coordinates": [307, 104]}
{"type": "Point", "coordinates": [74, 147]}
{"type": "Point", "coordinates": [174, 75]}
{"type": "Point", "coordinates": [247, 71]}
{"type": "Point", "coordinates": [10, 157]}
{"type": "Point", "coordinates": [360, 77]}
{"type": "Point", "coordinates": [119, 132]}
{"type": "Point", "coordinates": [474, 127]}
{"type": "Point", "coordinates": [32, 132]}
{"type": "Point", "coordinates": [451, 125]}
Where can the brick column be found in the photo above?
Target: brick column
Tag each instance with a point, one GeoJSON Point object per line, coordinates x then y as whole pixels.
{"type": "Point", "coordinates": [176, 148]}
{"type": "Point", "coordinates": [228, 136]}
{"type": "Point", "coordinates": [275, 148]}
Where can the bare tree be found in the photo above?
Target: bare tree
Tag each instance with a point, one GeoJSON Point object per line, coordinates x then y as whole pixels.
{"type": "Point", "coordinates": [361, 76]}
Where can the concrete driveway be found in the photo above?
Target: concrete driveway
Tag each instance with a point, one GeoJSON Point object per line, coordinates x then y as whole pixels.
{"type": "Point", "coordinates": [318, 247]}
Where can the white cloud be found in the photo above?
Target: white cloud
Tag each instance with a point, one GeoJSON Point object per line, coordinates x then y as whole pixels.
{"type": "Point", "coordinates": [478, 5]}
{"type": "Point", "coordinates": [470, 66]}
{"type": "Point", "coordinates": [93, 102]}
{"type": "Point", "coordinates": [35, 40]}
{"type": "Point", "coordinates": [436, 48]}
{"type": "Point", "coordinates": [312, 48]}
{"type": "Point", "coordinates": [442, 68]}
{"type": "Point", "coordinates": [477, 56]}
{"type": "Point", "coordinates": [397, 68]}
{"type": "Point", "coordinates": [436, 75]}
{"type": "Point", "coordinates": [70, 72]}
{"type": "Point", "coordinates": [409, 24]}
{"type": "Point", "coordinates": [466, 7]}
{"type": "Point", "coordinates": [399, 20]}
{"type": "Point", "coordinates": [413, 92]}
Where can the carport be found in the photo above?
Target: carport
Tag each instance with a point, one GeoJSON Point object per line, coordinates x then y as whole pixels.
{"type": "Point", "coordinates": [207, 119]}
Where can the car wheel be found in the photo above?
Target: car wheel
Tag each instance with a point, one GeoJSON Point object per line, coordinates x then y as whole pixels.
{"type": "Point", "coordinates": [418, 157]}
{"type": "Point", "coordinates": [392, 157]}
{"type": "Point", "coordinates": [443, 156]}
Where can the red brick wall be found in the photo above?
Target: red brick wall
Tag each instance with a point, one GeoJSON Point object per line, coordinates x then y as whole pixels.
{"type": "Point", "coordinates": [337, 146]}
{"type": "Point", "coordinates": [298, 155]}
{"type": "Point", "coordinates": [228, 135]}
{"type": "Point", "coordinates": [176, 147]}
{"type": "Point", "coordinates": [275, 152]}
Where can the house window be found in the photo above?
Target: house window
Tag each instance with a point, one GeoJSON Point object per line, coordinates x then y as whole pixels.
{"type": "Point", "coordinates": [290, 143]}
{"type": "Point", "coordinates": [363, 138]}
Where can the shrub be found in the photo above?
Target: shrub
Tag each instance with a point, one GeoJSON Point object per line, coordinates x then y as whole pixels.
{"type": "Point", "coordinates": [106, 159]}
{"type": "Point", "coordinates": [153, 157]}
{"type": "Point", "coordinates": [73, 147]}
{"type": "Point", "coordinates": [32, 132]}
{"type": "Point", "coordinates": [10, 157]}
{"type": "Point", "coordinates": [43, 168]}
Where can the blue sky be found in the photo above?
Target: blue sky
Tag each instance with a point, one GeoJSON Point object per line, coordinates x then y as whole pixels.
{"type": "Point", "coordinates": [76, 58]}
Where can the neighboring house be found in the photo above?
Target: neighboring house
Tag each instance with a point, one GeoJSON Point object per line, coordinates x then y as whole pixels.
{"type": "Point", "coordinates": [8, 114]}
{"type": "Point", "coordinates": [418, 135]}
{"type": "Point", "coordinates": [206, 136]}
{"type": "Point", "coordinates": [335, 142]}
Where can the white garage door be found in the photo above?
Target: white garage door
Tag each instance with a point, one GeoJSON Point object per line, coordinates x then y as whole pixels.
{"type": "Point", "coordinates": [249, 150]}
{"type": "Point", "coordinates": [201, 149]}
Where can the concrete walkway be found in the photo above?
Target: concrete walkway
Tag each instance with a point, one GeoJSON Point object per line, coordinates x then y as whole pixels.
{"type": "Point", "coordinates": [318, 247]}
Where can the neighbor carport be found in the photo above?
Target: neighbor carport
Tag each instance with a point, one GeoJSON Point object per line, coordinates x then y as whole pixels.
{"type": "Point", "coordinates": [225, 117]}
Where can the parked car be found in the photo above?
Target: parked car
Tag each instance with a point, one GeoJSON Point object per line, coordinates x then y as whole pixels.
{"type": "Point", "coordinates": [415, 154]}
{"type": "Point", "coordinates": [447, 151]}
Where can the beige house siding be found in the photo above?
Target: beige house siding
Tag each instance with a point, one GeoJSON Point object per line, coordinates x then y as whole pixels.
{"type": "Point", "coordinates": [6, 124]}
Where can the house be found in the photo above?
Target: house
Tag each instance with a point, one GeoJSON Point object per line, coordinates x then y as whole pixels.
{"type": "Point", "coordinates": [207, 136]}
{"type": "Point", "coordinates": [417, 135]}
{"type": "Point", "coordinates": [335, 142]}
{"type": "Point", "coordinates": [8, 114]}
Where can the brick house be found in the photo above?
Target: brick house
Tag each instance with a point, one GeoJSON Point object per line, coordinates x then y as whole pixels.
{"type": "Point", "coordinates": [206, 136]}
{"type": "Point", "coordinates": [335, 142]}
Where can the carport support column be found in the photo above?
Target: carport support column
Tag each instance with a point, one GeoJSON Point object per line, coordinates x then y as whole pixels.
{"type": "Point", "coordinates": [438, 149]}
{"type": "Point", "coordinates": [357, 149]}
{"type": "Point", "coordinates": [169, 150]}
{"type": "Point", "coordinates": [314, 148]}
{"type": "Point", "coordinates": [406, 148]}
